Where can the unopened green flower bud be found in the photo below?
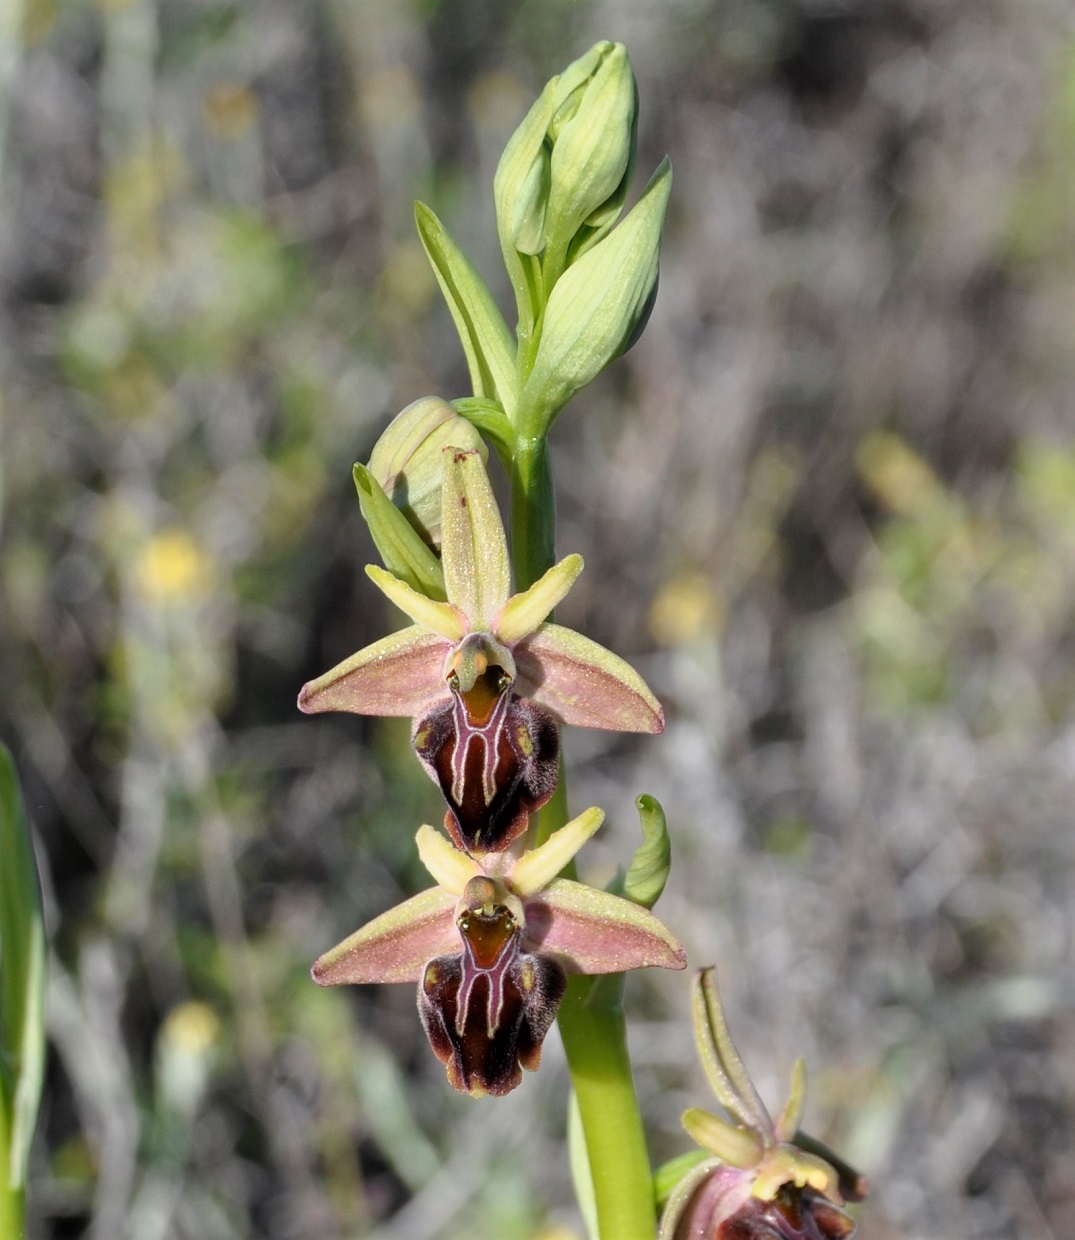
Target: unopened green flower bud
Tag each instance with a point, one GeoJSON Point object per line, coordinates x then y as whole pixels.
{"type": "Point", "coordinates": [593, 138]}
{"type": "Point", "coordinates": [598, 307]}
{"type": "Point", "coordinates": [563, 177]}
{"type": "Point", "coordinates": [408, 460]}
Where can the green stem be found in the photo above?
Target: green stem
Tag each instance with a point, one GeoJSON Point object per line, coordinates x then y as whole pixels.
{"type": "Point", "coordinates": [591, 1019]}
{"type": "Point", "coordinates": [533, 515]}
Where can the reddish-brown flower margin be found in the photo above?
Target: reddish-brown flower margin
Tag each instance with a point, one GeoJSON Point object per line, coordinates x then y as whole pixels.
{"type": "Point", "coordinates": [490, 946]}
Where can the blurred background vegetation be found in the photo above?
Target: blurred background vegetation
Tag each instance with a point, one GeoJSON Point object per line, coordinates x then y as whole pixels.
{"type": "Point", "coordinates": [827, 505]}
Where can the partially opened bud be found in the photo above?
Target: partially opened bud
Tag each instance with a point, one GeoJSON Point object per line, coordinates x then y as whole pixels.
{"type": "Point", "coordinates": [408, 460]}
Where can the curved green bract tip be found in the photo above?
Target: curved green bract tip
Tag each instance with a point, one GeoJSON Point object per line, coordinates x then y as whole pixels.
{"type": "Point", "coordinates": [648, 871]}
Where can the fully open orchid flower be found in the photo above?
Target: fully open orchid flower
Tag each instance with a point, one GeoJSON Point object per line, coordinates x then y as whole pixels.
{"type": "Point", "coordinates": [489, 947]}
{"type": "Point", "coordinates": [760, 1183]}
{"type": "Point", "coordinates": [484, 675]}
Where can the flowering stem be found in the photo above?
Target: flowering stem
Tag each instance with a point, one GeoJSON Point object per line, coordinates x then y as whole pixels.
{"type": "Point", "coordinates": [533, 515]}
{"type": "Point", "coordinates": [590, 1019]}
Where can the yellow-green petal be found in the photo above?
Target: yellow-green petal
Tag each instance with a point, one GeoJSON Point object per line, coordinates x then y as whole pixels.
{"type": "Point", "coordinates": [524, 612]}
{"type": "Point", "coordinates": [537, 868]}
{"type": "Point", "coordinates": [451, 868]}
{"type": "Point", "coordinates": [440, 618]}
{"type": "Point", "coordinates": [733, 1145]}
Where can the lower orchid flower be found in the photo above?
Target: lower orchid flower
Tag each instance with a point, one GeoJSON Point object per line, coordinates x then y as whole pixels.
{"type": "Point", "coordinates": [761, 1182]}
{"type": "Point", "coordinates": [490, 947]}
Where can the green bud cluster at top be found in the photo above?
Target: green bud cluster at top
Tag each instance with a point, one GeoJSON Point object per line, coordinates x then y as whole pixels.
{"type": "Point", "coordinates": [583, 279]}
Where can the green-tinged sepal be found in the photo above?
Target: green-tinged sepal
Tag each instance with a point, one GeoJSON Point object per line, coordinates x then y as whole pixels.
{"type": "Point", "coordinates": [22, 996]}
{"type": "Point", "coordinates": [596, 307]}
{"type": "Point", "coordinates": [648, 871]}
{"type": "Point", "coordinates": [408, 460]}
{"type": "Point", "coordinates": [486, 340]}
{"type": "Point", "coordinates": [756, 1183]}
{"type": "Point", "coordinates": [477, 571]}
{"type": "Point", "coordinates": [400, 546]}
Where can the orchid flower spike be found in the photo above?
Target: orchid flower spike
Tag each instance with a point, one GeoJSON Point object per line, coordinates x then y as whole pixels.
{"type": "Point", "coordinates": [490, 947]}
{"type": "Point", "coordinates": [484, 675]}
{"type": "Point", "coordinates": [764, 1180]}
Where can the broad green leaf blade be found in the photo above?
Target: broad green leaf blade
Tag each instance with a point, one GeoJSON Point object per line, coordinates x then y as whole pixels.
{"type": "Point", "coordinates": [22, 979]}
{"type": "Point", "coordinates": [482, 331]}
{"type": "Point", "coordinates": [648, 871]}
{"type": "Point", "coordinates": [400, 546]}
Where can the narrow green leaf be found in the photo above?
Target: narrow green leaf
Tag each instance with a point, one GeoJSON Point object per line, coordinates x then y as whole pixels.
{"type": "Point", "coordinates": [648, 871]}
{"type": "Point", "coordinates": [482, 331]}
{"type": "Point", "coordinates": [400, 546]}
{"type": "Point", "coordinates": [22, 982]}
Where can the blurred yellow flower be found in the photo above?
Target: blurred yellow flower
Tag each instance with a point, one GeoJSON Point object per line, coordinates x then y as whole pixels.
{"type": "Point", "coordinates": [172, 567]}
{"type": "Point", "coordinates": [192, 1027]}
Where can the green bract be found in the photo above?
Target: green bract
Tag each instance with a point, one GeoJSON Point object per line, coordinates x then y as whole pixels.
{"type": "Point", "coordinates": [398, 542]}
{"type": "Point", "coordinates": [485, 337]}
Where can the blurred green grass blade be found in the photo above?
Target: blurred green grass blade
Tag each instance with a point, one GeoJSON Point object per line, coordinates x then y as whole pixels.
{"type": "Point", "coordinates": [22, 983]}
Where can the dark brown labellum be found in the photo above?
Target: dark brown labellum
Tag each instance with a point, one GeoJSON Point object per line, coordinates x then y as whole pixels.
{"type": "Point", "coordinates": [496, 758]}
{"type": "Point", "coordinates": [486, 1012]}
